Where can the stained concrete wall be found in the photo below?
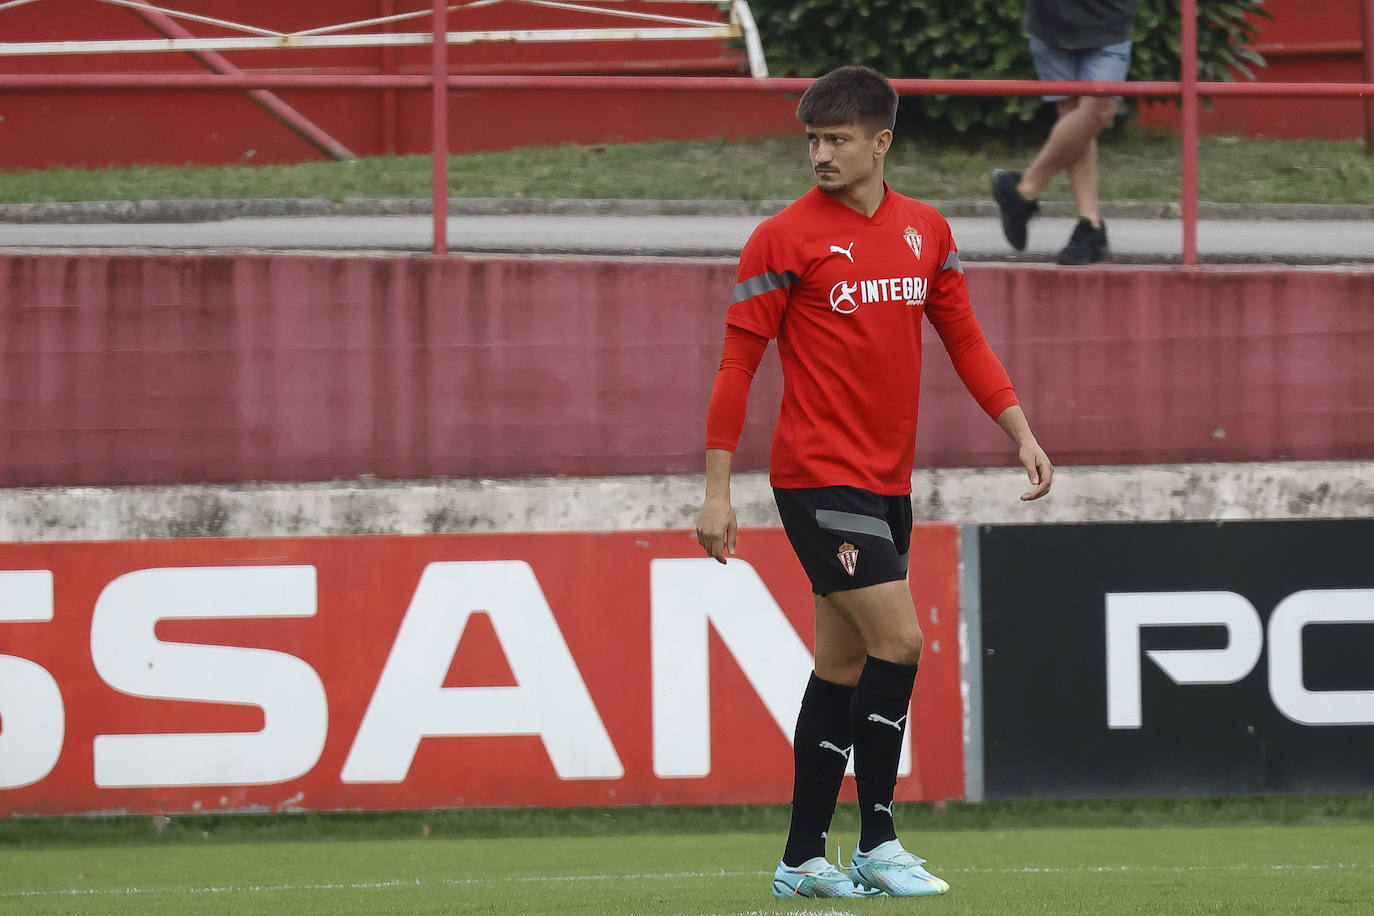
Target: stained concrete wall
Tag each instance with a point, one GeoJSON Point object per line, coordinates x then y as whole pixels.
{"type": "Point", "coordinates": [120, 369]}
{"type": "Point", "coordinates": [1213, 491]}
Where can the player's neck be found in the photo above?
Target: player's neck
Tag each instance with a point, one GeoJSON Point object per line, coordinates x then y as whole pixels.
{"type": "Point", "coordinates": [865, 197]}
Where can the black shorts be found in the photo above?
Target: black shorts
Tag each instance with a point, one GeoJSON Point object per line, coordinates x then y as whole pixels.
{"type": "Point", "coordinates": [846, 537]}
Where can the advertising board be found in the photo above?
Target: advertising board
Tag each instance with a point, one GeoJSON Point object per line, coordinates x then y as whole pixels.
{"type": "Point", "coordinates": [1177, 658]}
{"type": "Point", "coordinates": [427, 671]}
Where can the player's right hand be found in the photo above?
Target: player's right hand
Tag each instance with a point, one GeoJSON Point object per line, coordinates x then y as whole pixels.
{"type": "Point", "coordinates": [717, 528]}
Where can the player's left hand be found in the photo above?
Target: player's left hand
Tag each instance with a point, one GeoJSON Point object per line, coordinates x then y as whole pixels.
{"type": "Point", "coordinates": [1038, 469]}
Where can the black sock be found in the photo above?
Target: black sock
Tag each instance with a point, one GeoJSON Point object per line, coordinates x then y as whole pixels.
{"type": "Point", "coordinates": [879, 710]}
{"type": "Point", "coordinates": [820, 752]}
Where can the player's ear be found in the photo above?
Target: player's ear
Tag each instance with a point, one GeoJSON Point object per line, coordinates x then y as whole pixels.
{"type": "Point", "coordinates": [882, 142]}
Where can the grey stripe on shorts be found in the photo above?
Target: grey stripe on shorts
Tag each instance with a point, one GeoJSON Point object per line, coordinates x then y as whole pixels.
{"type": "Point", "coordinates": [852, 523]}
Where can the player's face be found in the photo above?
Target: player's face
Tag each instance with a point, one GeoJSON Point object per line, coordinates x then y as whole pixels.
{"type": "Point", "coordinates": [845, 154]}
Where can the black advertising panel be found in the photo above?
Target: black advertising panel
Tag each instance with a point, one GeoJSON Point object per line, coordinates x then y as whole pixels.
{"type": "Point", "coordinates": [1177, 658]}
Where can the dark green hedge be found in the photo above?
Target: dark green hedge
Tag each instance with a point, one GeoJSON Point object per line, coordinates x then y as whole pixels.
{"type": "Point", "coordinates": [980, 39]}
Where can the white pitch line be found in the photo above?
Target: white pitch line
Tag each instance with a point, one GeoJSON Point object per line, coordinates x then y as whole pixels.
{"type": "Point", "coordinates": [364, 885]}
{"type": "Point", "coordinates": [1032, 869]}
{"type": "Point", "coordinates": [527, 879]}
{"type": "Point", "coordinates": [772, 912]}
{"type": "Point", "coordinates": [209, 889]}
{"type": "Point", "coordinates": [546, 879]}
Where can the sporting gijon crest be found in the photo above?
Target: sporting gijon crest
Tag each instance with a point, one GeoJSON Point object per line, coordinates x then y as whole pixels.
{"type": "Point", "coordinates": [849, 557]}
{"type": "Point", "coordinates": [913, 240]}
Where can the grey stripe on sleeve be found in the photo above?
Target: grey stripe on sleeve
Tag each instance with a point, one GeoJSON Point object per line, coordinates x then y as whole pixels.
{"type": "Point", "coordinates": [851, 523]}
{"type": "Point", "coordinates": [952, 262]}
{"type": "Point", "coordinates": [762, 283]}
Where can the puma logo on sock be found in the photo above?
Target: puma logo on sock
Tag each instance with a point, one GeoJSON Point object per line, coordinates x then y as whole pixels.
{"type": "Point", "coordinates": [886, 809]}
{"type": "Point", "coordinates": [842, 751]}
{"type": "Point", "coordinates": [874, 717]}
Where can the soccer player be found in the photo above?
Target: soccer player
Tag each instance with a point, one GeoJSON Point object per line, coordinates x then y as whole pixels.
{"type": "Point", "coordinates": [842, 278]}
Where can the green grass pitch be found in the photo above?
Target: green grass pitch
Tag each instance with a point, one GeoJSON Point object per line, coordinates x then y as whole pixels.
{"type": "Point", "coordinates": [1242, 868]}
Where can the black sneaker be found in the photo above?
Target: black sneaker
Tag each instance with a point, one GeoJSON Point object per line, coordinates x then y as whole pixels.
{"type": "Point", "coordinates": [1087, 245]}
{"type": "Point", "coordinates": [1016, 210]}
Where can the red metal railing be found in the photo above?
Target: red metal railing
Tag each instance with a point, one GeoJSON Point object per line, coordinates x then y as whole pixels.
{"type": "Point", "coordinates": [1188, 89]}
{"type": "Point", "coordinates": [439, 128]}
{"type": "Point", "coordinates": [1367, 17]}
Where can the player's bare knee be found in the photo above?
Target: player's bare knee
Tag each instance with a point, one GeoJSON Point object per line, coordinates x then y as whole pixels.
{"type": "Point", "coordinates": [904, 649]}
{"type": "Point", "coordinates": [843, 670]}
{"type": "Point", "coordinates": [839, 663]}
{"type": "Point", "coordinates": [914, 645]}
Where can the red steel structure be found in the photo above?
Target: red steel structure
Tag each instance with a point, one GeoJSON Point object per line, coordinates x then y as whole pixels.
{"type": "Point", "coordinates": [1367, 18]}
{"type": "Point", "coordinates": [1188, 89]}
{"type": "Point", "coordinates": [1305, 40]}
{"type": "Point", "coordinates": [217, 63]}
{"type": "Point", "coordinates": [134, 127]}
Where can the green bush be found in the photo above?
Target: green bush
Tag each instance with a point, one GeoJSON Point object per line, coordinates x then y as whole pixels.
{"type": "Point", "coordinates": [981, 39]}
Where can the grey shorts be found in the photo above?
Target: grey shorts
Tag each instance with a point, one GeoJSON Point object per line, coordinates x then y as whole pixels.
{"type": "Point", "coordinates": [1107, 64]}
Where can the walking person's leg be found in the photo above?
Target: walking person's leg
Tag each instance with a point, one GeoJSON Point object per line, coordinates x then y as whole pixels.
{"type": "Point", "coordinates": [1071, 147]}
{"type": "Point", "coordinates": [1073, 138]}
{"type": "Point", "coordinates": [1088, 242]}
{"type": "Point", "coordinates": [1083, 181]}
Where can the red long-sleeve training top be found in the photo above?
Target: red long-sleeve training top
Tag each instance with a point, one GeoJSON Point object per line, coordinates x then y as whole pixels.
{"type": "Point", "coordinates": [844, 294]}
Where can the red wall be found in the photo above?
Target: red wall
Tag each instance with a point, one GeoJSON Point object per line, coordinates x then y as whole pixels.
{"type": "Point", "coordinates": [123, 369]}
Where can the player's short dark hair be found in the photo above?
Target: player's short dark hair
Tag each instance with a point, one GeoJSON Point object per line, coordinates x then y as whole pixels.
{"type": "Point", "coordinates": [850, 95]}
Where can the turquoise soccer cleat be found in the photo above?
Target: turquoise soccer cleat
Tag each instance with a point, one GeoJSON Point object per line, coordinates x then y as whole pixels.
{"type": "Point", "coordinates": [816, 877]}
{"type": "Point", "coordinates": [891, 869]}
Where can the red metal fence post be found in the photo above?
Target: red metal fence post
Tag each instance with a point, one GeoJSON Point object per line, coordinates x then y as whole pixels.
{"type": "Point", "coordinates": [1367, 10]}
{"type": "Point", "coordinates": [388, 60]}
{"type": "Point", "coordinates": [1188, 77]}
{"type": "Point", "coordinates": [440, 125]}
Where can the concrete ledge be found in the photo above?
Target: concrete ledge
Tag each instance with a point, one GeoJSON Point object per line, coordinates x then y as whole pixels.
{"type": "Point", "coordinates": [1182, 492]}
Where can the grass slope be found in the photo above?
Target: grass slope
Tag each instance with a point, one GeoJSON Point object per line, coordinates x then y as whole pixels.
{"type": "Point", "coordinates": [1134, 165]}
